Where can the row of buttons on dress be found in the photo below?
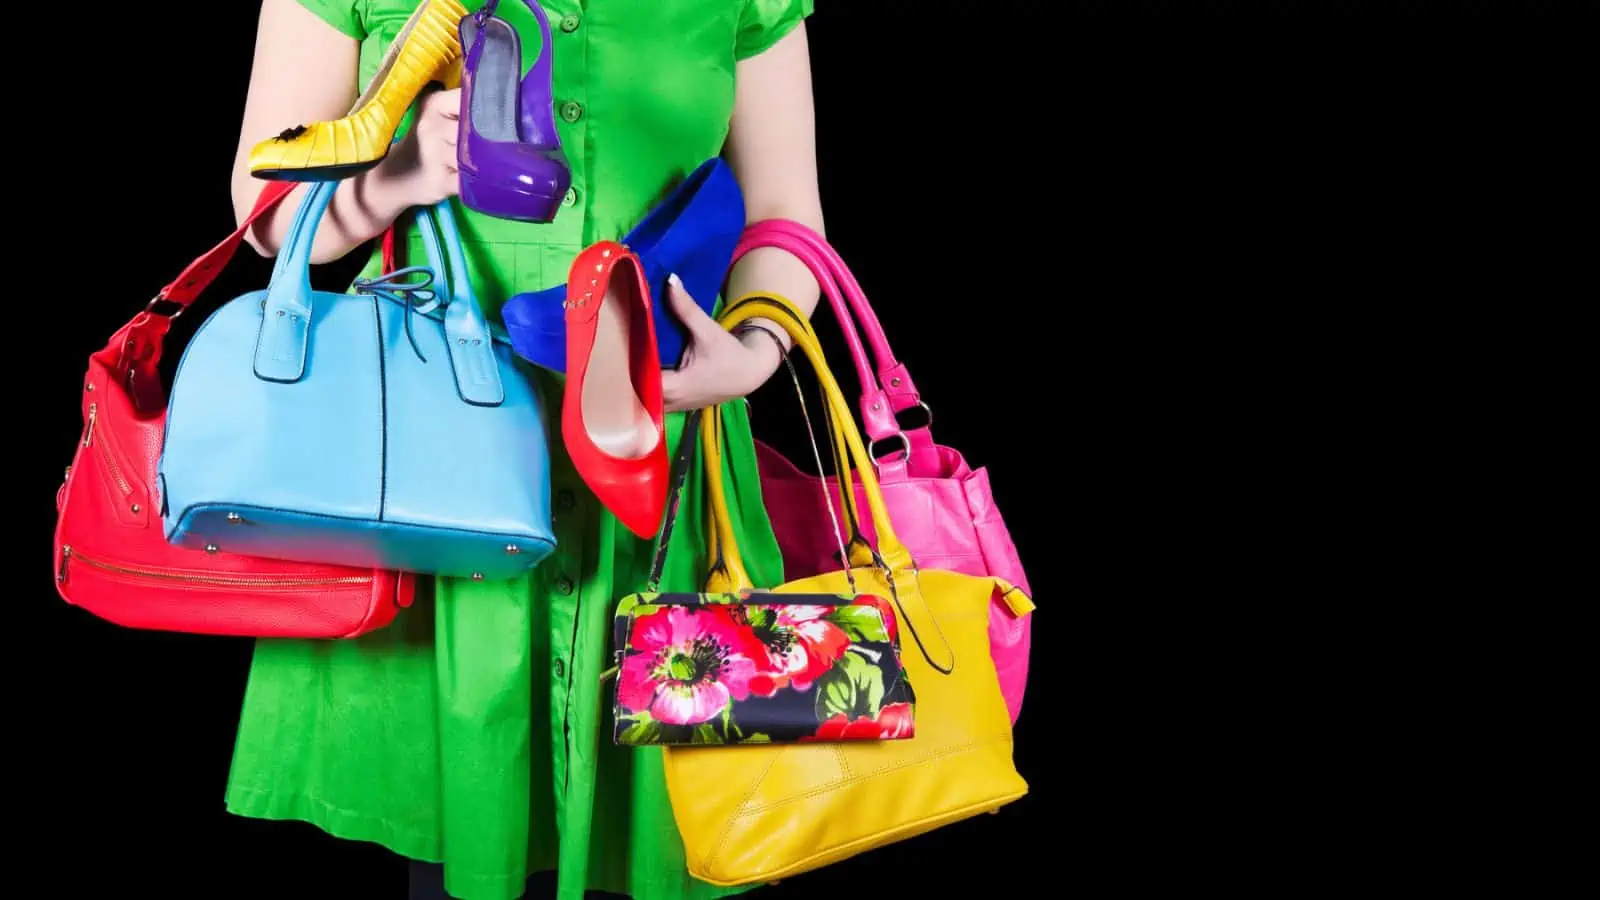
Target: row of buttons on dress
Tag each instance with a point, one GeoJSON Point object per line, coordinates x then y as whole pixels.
{"type": "Point", "coordinates": [565, 501]}
{"type": "Point", "coordinates": [571, 111]}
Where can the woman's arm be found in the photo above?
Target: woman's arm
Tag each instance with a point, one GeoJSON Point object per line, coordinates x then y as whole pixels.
{"type": "Point", "coordinates": [305, 71]}
{"type": "Point", "coordinates": [772, 149]}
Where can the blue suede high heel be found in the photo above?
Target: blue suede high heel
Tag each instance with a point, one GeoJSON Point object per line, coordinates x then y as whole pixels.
{"type": "Point", "coordinates": [692, 232]}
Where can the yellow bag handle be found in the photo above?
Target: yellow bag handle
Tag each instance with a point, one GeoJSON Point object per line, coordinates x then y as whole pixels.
{"type": "Point", "coordinates": [855, 550]}
{"type": "Point", "coordinates": [728, 574]}
{"type": "Point", "coordinates": [890, 551]}
{"type": "Point", "coordinates": [892, 556]}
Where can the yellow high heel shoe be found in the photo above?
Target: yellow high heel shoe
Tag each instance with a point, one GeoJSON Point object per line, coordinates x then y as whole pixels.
{"type": "Point", "coordinates": [427, 50]}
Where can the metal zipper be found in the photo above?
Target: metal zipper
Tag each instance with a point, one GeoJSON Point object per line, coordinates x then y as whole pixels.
{"type": "Point", "coordinates": [113, 468]}
{"type": "Point", "coordinates": [88, 432]}
{"type": "Point", "coordinates": [219, 580]}
{"type": "Point", "coordinates": [105, 452]}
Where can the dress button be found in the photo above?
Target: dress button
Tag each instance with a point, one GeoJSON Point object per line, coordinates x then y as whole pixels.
{"type": "Point", "coordinates": [569, 24]}
{"type": "Point", "coordinates": [572, 110]}
{"type": "Point", "coordinates": [571, 199]}
{"type": "Point", "coordinates": [561, 668]}
{"type": "Point", "coordinates": [564, 584]}
{"type": "Point", "coordinates": [564, 497]}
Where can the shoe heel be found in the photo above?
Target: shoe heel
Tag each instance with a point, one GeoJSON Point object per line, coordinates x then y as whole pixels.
{"type": "Point", "coordinates": [495, 198]}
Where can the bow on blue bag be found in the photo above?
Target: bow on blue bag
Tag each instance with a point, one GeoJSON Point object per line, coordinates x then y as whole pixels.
{"type": "Point", "coordinates": [387, 428]}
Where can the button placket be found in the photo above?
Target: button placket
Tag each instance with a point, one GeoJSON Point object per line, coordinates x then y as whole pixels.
{"type": "Point", "coordinates": [564, 592]}
{"type": "Point", "coordinates": [569, 84]}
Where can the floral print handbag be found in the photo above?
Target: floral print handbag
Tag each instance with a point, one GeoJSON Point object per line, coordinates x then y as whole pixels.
{"type": "Point", "coordinates": [752, 667]}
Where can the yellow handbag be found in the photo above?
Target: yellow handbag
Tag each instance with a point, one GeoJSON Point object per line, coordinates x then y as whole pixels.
{"type": "Point", "coordinates": [756, 813]}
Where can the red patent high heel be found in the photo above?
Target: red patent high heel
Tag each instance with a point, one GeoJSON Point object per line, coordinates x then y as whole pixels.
{"type": "Point", "coordinates": [611, 415]}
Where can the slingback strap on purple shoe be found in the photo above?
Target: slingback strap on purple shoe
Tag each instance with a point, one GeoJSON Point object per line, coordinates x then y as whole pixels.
{"type": "Point", "coordinates": [507, 151]}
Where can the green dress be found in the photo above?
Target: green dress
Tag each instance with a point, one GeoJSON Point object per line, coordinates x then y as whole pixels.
{"type": "Point", "coordinates": [474, 730]}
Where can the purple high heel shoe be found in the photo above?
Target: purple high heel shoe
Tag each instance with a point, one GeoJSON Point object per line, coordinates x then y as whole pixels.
{"type": "Point", "coordinates": [507, 151]}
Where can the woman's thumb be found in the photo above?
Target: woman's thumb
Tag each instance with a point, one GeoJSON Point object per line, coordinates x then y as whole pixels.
{"type": "Point", "coordinates": [688, 312]}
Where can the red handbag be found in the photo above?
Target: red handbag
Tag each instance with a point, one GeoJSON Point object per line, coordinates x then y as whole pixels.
{"type": "Point", "coordinates": [111, 555]}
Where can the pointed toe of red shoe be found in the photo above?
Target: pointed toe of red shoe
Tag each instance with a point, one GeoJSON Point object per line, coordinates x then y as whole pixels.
{"type": "Point", "coordinates": [641, 505]}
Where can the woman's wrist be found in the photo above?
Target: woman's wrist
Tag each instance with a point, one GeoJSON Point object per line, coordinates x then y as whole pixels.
{"type": "Point", "coordinates": [767, 342]}
{"type": "Point", "coordinates": [384, 192]}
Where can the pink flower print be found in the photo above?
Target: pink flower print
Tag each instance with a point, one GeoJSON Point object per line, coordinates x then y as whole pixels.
{"type": "Point", "coordinates": [685, 665]}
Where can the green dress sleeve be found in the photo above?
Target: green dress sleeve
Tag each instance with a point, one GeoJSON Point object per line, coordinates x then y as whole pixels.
{"type": "Point", "coordinates": [345, 15]}
{"type": "Point", "coordinates": [763, 23]}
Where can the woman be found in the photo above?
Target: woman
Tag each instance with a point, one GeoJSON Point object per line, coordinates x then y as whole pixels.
{"type": "Point", "coordinates": [471, 732]}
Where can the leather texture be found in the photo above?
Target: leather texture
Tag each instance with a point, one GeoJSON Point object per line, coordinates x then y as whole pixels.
{"type": "Point", "coordinates": [760, 813]}
{"type": "Point", "coordinates": [943, 509]}
{"type": "Point", "coordinates": [111, 556]}
{"type": "Point", "coordinates": [426, 51]}
{"type": "Point", "coordinates": [692, 232]}
{"type": "Point", "coordinates": [349, 429]}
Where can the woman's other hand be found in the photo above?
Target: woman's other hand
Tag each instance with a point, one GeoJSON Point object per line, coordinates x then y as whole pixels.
{"type": "Point", "coordinates": [717, 366]}
{"type": "Point", "coordinates": [422, 167]}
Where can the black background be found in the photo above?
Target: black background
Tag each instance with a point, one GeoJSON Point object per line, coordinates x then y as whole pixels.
{"type": "Point", "coordinates": [1130, 252]}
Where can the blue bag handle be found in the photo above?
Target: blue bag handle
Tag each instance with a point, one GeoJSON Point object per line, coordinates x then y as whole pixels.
{"type": "Point", "coordinates": [283, 342]}
{"type": "Point", "coordinates": [286, 312]}
{"type": "Point", "coordinates": [466, 331]}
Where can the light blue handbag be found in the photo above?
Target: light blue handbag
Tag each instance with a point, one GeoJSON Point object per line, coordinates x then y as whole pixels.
{"type": "Point", "coordinates": [387, 428]}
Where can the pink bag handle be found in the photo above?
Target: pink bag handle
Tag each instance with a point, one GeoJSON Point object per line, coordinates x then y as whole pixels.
{"type": "Point", "coordinates": [886, 390]}
{"type": "Point", "coordinates": [762, 235]}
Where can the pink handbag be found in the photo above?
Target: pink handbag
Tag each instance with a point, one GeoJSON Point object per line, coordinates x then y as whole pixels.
{"type": "Point", "coordinates": [942, 509]}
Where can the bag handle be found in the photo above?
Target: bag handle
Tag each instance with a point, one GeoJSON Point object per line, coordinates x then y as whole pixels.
{"type": "Point", "coordinates": [134, 352]}
{"type": "Point", "coordinates": [677, 477]}
{"type": "Point", "coordinates": [891, 555]}
{"type": "Point", "coordinates": [285, 333]}
{"type": "Point", "coordinates": [769, 233]}
{"type": "Point", "coordinates": [283, 342]}
{"type": "Point", "coordinates": [856, 551]}
{"type": "Point", "coordinates": [727, 573]}
{"type": "Point", "coordinates": [794, 323]}
{"type": "Point", "coordinates": [886, 391]}
{"type": "Point", "coordinates": [466, 330]}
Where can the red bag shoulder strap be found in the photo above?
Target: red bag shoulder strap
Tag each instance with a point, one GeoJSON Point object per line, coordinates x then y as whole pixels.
{"type": "Point", "coordinates": [134, 352]}
{"type": "Point", "coordinates": [194, 279]}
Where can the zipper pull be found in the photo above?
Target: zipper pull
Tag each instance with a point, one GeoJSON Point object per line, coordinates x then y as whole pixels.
{"type": "Point", "coordinates": [61, 571]}
{"type": "Point", "coordinates": [88, 433]}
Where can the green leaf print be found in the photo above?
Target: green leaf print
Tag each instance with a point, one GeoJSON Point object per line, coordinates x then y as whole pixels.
{"type": "Point", "coordinates": [760, 616]}
{"type": "Point", "coordinates": [706, 733]}
{"type": "Point", "coordinates": [644, 730]}
{"type": "Point", "coordinates": [757, 738]}
{"type": "Point", "coordinates": [853, 687]}
{"type": "Point", "coordinates": [862, 623]}
{"type": "Point", "coordinates": [730, 729]}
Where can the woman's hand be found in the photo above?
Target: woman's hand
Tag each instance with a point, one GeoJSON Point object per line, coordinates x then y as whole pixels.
{"type": "Point", "coordinates": [421, 169]}
{"type": "Point", "coordinates": [717, 366]}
